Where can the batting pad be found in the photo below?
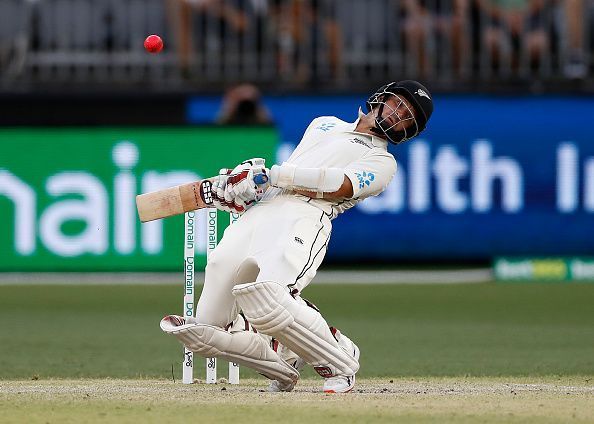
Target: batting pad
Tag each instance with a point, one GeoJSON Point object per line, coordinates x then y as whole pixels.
{"type": "Point", "coordinates": [271, 310]}
{"type": "Point", "coordinates": [245, 348]}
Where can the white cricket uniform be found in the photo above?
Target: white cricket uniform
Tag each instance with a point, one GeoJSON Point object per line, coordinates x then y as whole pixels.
{"type": "Point", "coordinates": [284, 237]}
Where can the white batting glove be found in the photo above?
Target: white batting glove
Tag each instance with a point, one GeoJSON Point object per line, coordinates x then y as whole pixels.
{"type": "Point", "coordinates": [241, 185]}
{"type": "Point", "coordinates": [219, 183]}
{"type": "Point", "coordinates": [253, 163]}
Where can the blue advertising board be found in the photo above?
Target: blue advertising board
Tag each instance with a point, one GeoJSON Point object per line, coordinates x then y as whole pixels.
{"type": "Point", "coordinates": [491, 176]}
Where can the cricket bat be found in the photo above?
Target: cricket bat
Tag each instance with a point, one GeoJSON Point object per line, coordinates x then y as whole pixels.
{"type": "Point", "coordinates": [174, 200]}
{"type": "Point", "coordinates": [179, 199]}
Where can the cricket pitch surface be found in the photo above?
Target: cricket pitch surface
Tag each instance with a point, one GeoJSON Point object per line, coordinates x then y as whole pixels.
{"type": "Point", "coordinates": [379, 400]}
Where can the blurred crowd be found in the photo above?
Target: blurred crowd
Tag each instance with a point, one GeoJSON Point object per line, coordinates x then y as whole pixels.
{"type": "Point", "coordinates": [295, 30]}
{"type": "Point", "coordinates": [462, 36]}
{"type": "Point", "coordinates": [307, 40]}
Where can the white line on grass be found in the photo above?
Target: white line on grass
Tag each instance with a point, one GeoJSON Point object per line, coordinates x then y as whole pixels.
{"type": "Point", "coordinates": [461, 276]}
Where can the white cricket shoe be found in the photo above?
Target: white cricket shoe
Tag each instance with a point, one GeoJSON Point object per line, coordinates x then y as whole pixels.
{"type": "Point", "coordinates": [276, 386]}
{"type": "Point", "coordinates": [342, 383]}
{"type": "Point", "coordinates": [173, 320]}
{"type": "Point", "coordinates": [292, 359]}
{"type": "Point", "coordinates": [170, 321]}
{"type": "Point", "coordinates": [339, 384]}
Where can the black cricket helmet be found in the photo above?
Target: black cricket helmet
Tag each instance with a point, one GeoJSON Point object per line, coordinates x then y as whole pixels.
{"type": "Point", "coordinates": [414, 121]}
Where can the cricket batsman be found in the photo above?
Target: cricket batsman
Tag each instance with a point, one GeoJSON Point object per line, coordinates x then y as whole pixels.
{"type": "Point", "coordinates": [251, 311]}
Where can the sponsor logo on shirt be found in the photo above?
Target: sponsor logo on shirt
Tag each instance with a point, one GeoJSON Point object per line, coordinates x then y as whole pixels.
{"type": "Point", "coordinates": [359, 141]}
{"type": "Point", "coordinates": [365, 178]}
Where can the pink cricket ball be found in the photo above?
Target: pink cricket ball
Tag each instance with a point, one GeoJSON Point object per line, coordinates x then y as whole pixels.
{"type": "Point", "coordinates": [153, 44]}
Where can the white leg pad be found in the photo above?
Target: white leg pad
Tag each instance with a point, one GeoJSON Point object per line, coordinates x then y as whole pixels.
{"type": "Point", "coordinates": [245, 348]}
{"type": "Point", "coordinates": [271, 310]}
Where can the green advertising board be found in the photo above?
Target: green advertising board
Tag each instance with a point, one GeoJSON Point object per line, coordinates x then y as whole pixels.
{"type": "Point", "coordinates": [562, 270]}
{"type": "Point", "coordinates": [67, 195]}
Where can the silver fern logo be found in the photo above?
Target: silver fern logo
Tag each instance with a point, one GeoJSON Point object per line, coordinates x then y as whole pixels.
{"type": "Point", "coordinates": [326, 126]}
{"type": "Point", "coordinates": [422, 93]}
{"type": "Point", "coordinates": [365, 178]}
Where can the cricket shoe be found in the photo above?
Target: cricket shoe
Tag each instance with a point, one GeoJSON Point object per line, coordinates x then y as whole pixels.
{"type": "Point", "coordinates": [276, 386]}
{"type": "Point", "coordinates": [342, 383]}
{"type": "Point", "coordinates": [171, 321]}
{"type": "Point", "coordinates": [292, 359]}
{"type": "Point", "coordinates": [175, 320]}
{"type": "Point", "coordinates": [339, 384]}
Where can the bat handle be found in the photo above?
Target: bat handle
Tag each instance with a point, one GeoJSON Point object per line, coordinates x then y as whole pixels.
{"type": "Point", "coordinates": [260, 179]}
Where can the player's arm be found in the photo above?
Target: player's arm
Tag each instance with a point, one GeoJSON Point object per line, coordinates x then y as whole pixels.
{"type": "Point", "coordinates": [368, 176]}
{"type": "Point", "coordinates": [344, 192]}
{"type": "Point", "coordinates": [316, 183]}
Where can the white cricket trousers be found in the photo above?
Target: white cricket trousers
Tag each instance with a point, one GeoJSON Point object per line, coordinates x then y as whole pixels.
{"type": "Point", "coordinates": [283, 239]}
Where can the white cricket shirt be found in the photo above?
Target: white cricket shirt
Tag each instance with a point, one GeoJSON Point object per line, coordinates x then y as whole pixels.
{"type": "Point", "coordinates": [329, 142]}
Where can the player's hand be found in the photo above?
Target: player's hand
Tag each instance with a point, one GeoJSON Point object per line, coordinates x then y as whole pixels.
{"type": "Point", "coordinates": [241, 185]}
{"type": "Point", "coordinates": [241, 188]}
{"type": "Point", "coordinates": [257, 165]}
{"type": "Point", "coordinates": [219, 183]}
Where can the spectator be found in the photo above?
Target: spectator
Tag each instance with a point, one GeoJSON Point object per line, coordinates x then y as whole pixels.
{"type": "Point", "coordinates": [258, 14]}
{"type": "Point", "coordinates": [299, 26]}
{"type": "Point", "coordinates": [574, 17]}
{"type": "Point", "coordinates": [15, 30]}
{"type": "Point", "coordinates": [183, 14]}
{"type": "Point", "coordinates": [432, 28]}
{"type": "Point", "coordinates": [242, 105]}
{"type": "Point", "coordinates": [513, 27]}
{"type": "Point", "coordinates": [368, 35]}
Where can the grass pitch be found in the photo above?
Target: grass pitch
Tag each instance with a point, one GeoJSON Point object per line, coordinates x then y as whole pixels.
{"type": "Point", "coordinates": [443, 353]}
{"type": "Point", "coordinates": [427, 400]}
{"type": "Point", "coordinates": [402, 330]}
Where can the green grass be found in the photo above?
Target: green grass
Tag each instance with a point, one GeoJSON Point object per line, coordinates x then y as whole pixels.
{"type": "Point", "coordinates": [98, 331]}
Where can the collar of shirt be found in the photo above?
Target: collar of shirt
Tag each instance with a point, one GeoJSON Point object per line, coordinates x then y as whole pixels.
{"type": "Point", "coordinates": [375, 140]}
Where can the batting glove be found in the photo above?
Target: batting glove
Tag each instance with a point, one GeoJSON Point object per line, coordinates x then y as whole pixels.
{"type": "Point", "coordinates": [241, 184]}
{"type": "Point", "coordinates": [219, 184]}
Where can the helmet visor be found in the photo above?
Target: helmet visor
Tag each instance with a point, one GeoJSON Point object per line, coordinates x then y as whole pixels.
{"type": "Point", "coordinates": [394, 116]}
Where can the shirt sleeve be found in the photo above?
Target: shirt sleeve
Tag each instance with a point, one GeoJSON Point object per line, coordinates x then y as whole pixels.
{"type": "Point", "coordinates": [371, 174]}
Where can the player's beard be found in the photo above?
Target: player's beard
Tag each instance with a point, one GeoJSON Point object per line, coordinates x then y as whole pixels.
{"type": "Point", "coordinates": [377, 131]}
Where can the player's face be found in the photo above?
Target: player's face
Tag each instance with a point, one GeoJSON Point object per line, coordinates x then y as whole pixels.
{"type": "Point", "coordinates": [397, 114]}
